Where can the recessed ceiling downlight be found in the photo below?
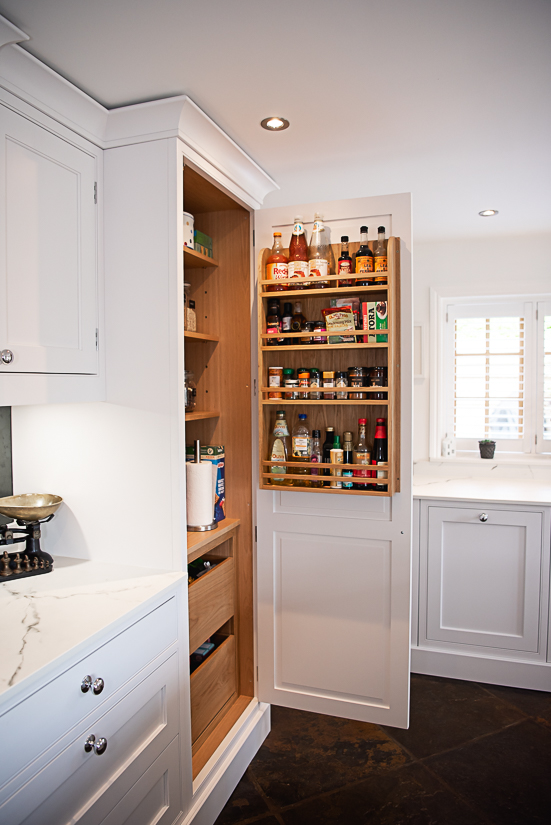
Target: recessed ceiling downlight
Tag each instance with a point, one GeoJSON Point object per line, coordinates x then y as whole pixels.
{"type": "Point", "coordinates": [274, 124]}
{"type": "Point", "coordinates": [487, 213]}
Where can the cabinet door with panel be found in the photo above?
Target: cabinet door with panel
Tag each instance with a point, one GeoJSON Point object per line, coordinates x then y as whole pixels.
{"type": "Point", "coordinates": [48, 272]}
{"type": "Point", "coordinates": [333, 571]}
{"type": "Point", "coordinates": [482, 582]}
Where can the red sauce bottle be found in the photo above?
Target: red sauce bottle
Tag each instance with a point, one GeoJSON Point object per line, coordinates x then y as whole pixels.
{"type": "Point", "coordinates": [276, 266]}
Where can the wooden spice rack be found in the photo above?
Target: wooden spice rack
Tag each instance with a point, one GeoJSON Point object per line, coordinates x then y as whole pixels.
{"type": "Point", "coordinates": [342, 414]}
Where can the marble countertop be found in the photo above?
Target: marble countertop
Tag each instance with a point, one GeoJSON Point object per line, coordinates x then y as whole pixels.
{"type": "Point", "coordinates": [502, 490]}
{"type": "Point", "coordinates": [47, 619]}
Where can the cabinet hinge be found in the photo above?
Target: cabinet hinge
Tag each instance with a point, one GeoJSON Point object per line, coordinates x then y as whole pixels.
{"type": "Point", "coordinates": [255, 534]}
{"type": "Point", "coordinates": [537, 314]}
{"type": "Point", "coordinates": [253, 237]}
{"type": "Point", "coordinates": [95, 192]}
{"type": "Point", "coordinates": [97, 336]}
{"type": "Point", "coordinates": [446, 317]}
{"type": "Point", "coordinates": [254, 386]}
{"type": "Point", "coordinates": [257, 673]}
{"type": "Point", "coordinates": [535, 439]}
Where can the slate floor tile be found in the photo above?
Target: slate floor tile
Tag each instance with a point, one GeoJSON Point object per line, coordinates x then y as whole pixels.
{"type": "Point", "coordinates": [534, 703]}
{"type": "Point", "coordinates": [506, 775]}
{"type": "Point", "coordinates": [244, 803]}
{"type": "Point", "coordinates": [407, 796]}
{"type": "Point", "coordinates": [307, 754]}
{"type": "Point", "coordinates": [446, 713]}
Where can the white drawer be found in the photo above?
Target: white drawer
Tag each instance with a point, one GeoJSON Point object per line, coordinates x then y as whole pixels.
{"type": "Point", "coordinates": [155, 799]}
{"type": "Point", "coordinates": [60, 705]}
{"type": "Point", "coordinates": [137, 730]}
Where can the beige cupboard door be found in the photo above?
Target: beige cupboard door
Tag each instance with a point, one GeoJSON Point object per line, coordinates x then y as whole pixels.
{"type": "Point", "coordinates": [48, 306]}
{"type": "Point", "coordinates": [333, 571]}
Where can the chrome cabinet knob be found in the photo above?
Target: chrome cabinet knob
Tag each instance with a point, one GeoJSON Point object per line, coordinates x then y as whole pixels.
{"type": "Point", "coordinates": [86, 684]}
{"type": "Point", "coordinates": [484, 517]}
{"type": "Point", "coordinates": [7, 356]}
{"type": "Point", "coordinates": [98, 686]}
{"type": "Point", "coordinates": [99, 746]}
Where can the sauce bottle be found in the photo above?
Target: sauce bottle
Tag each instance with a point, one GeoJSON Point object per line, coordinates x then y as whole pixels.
{"type": "Point", "coordinates": [380, 450]}
{"type": "Point", "coordinates": [276, 266]}
{"type": "Point", "coordinates": [327, 447]}
{"type": "Point", "coordinates": [273, 322]}
{"type": "Point", "coordinates": [362, 455]}
{"type": "Point", "coordinates": [298, 255]}
{"type": "Point", "coordinates": [298, 321]}
{"type": "Point", "coordinates": [379, 251]}
{"type": "Point", "coordinates": [301, 446]}
{"type": "Point", "coordinates": [344, 265]}
{"type": "Point", "coordinates": [318, 261]}
{"type": "Point", "coordinates": [347, 458]}
{"type": "Point", "coordinates": [316, 457]}
{"type": "Point", "coordinates": [280, 448]}
{"type": "Point", "coordinates": [364, 260]}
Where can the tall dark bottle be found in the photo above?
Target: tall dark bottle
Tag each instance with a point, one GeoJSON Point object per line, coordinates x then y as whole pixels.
{"type": "Point", "coordinates": [379, 454]}
{"type": "Point", "coordinates": [363, 259]}
{"type": "Point", "coordinates": [327, 447]}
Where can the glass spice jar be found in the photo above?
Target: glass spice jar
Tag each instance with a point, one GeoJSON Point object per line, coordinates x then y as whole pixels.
{"type": "Point", "coordinates": [341, 380]}
{"type": "Point", "coordinates": [315, 381]}
{"type": "Point", "coordinates": [377, 379]}
{"type": "Point", "coordinates": [288, 374]}
{"type": "Point", "coordinates": [303, 381]}
{"type": "Point", "coordinates": [275, 379]}
{"type": "Point", "coordinates": [329, 381]}
{"type": "Point", "coordinates": [190, 392]}
{"type": "Point", "coordinates": [355, 381]}
{"type": "Point", "coordinates": [319, 326]}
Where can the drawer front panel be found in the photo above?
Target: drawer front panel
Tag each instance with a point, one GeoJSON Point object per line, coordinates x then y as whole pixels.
{"type": "Point", "coordinates": [116, 662]}
{"type": "Point", "coordinates": [211, 603]}
{"type": "Point", "coordinates": [137, 730]}
{"type": "Point", "coordinates": [155, 799]}
{"type": "Point", "coordinates": [212, 684]}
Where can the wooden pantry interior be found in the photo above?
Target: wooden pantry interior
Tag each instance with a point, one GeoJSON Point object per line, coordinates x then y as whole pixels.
{"type": "Point", "coordinates": [219, 356]}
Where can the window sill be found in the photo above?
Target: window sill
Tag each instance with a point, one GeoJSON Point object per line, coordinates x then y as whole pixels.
{"type": "Point", "coordinates": [500, 459]}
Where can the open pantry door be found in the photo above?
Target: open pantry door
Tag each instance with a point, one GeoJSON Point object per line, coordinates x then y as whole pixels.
{"type": "Point", "coordinates": [333, 568]}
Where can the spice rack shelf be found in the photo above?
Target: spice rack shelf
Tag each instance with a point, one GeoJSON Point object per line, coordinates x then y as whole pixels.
{"type": "Point", "coordinates": [340, 413]}
{"type": "Point", "coordinates": [200, 336]}
{"type": "Point", "coordinates": [193, 259]}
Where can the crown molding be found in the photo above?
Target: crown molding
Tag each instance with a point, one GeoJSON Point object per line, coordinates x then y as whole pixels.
{"type": "Point", "coordinates": [205, 143]}
{"type": "Point", "coordinates": [10, 33]}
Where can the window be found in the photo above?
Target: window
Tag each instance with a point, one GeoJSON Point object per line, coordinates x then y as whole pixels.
{"type": "Point", "coordinates": [495, 370]}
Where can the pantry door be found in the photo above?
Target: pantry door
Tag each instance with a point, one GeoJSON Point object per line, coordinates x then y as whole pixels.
{"type": "Point", "coordinates": [333, 571]}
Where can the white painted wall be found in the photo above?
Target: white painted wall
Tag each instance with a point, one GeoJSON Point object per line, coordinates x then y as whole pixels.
{"type": "Point", "coordinates": [472, 266]}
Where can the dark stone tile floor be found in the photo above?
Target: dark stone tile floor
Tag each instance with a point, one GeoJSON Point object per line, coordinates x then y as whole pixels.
{"type": "Point", "coordinates": [474, 755]}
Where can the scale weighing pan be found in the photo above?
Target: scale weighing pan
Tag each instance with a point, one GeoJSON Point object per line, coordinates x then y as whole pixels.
{"type": "Point", "coordinates": [29, 506]}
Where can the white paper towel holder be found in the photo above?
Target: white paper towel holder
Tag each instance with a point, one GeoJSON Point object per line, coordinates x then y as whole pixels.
{"type": "Point", "coordinates": [200, 528]}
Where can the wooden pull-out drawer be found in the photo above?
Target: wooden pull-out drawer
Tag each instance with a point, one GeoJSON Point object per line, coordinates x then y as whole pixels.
{"type": "Point", "coordinates": [212, 685]}
{"type": "Point", "coordinates": [211, 602]}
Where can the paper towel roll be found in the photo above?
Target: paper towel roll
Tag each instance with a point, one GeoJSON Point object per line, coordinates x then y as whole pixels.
{"type": "Point", "coordinates": [199, 494]}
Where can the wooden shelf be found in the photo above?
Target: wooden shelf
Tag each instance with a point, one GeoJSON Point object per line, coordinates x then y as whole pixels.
{"type": "Point", "coordinates": [336, 290]}
{"type": "Point", "coordinates": [322, 347]}
{"type": "Point", "coordinates": [202, 414]}
{"type": "Point", "coordinates": [200, 336]}
{"type": "Point", "coordinates": [332, 490]}
{"type": "Point", "coordinates": [357, 334]}
{"type": "Point", "coordinates": [199, 543]}
{"type": "Point", "coordinates": [330, 278]}
{"type": "Point", "coordinates": [197, 259]}
{"type": "Point", "coordinates": [369, 402]}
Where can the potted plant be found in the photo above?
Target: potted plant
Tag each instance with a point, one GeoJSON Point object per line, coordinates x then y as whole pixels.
{"type": "Point", "coordinates": [487, 448]}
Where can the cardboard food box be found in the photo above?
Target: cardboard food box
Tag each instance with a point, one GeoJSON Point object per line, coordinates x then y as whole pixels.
{"type": "Point", "coordinates": [216, 455]}
{"type": "Point", "coordinates": [339, 320]}
{"type": "Point", "coordinates": [375, 317]}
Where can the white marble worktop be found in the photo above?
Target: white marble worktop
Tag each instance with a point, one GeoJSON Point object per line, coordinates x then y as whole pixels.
{"type": "Point", "coordinates": [49, 619]}
{"type": "Point", "coordinates": [498, 490]}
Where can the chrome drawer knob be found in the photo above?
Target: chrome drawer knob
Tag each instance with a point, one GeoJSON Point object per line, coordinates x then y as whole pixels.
{"type": "Point", "coordinates": [86, 684]}
{"type": "Point", "coordinates": [7, 356]}
{"type": "Point", "coordinates": [484, 517]}
{"type": "Point", "coordinates": [98, 686]}
{"type": "Point", "coordinates": [91, 745]}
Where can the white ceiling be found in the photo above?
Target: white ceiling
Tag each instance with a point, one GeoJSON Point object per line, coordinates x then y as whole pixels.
{"type": "Point", "coordinates": [448, 99]}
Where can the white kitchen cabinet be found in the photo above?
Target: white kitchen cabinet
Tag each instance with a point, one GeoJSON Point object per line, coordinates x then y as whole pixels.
{"type": "Point", "coordinates": [48, 273]}
{"type": "Point", "coordinates": [95, 744]}
{"type": "Point", "coordinates": [483, 592]}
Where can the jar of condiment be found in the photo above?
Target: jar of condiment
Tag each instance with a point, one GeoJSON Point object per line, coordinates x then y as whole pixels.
{"type": "Point", "coordinates": [190, 392]}
{"type": "Point", "coordinates": [319, 326]}
{"type": "Point", "coordinates": [341, 380]}
{"type": "Point", "coordinates": [303, 381]}
{"type": "Point", "coordinates": [292, 385]}
{"type": "Point", "coordinates": [275, 379]}
{"type": "Point", "coordinates": [377, 379]}
{"type": "Point", "coordinates": [309, 327]}
{"type": "Point", "coordinates": [288, 374]}
{"type": "Point", "coordinates": [329, 381]}
{"type": "Point", "coordinates": [355, 380]}
{"type": "Point", "coordinates": [315, 381]}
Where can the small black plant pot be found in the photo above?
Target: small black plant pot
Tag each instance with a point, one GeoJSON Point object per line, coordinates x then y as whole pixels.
{"type": "Point", "coordinates": [487, 449]}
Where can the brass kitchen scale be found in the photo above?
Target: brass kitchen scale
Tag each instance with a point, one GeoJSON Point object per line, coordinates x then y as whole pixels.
{"type": "Point", "coordinates": [29, 511]}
